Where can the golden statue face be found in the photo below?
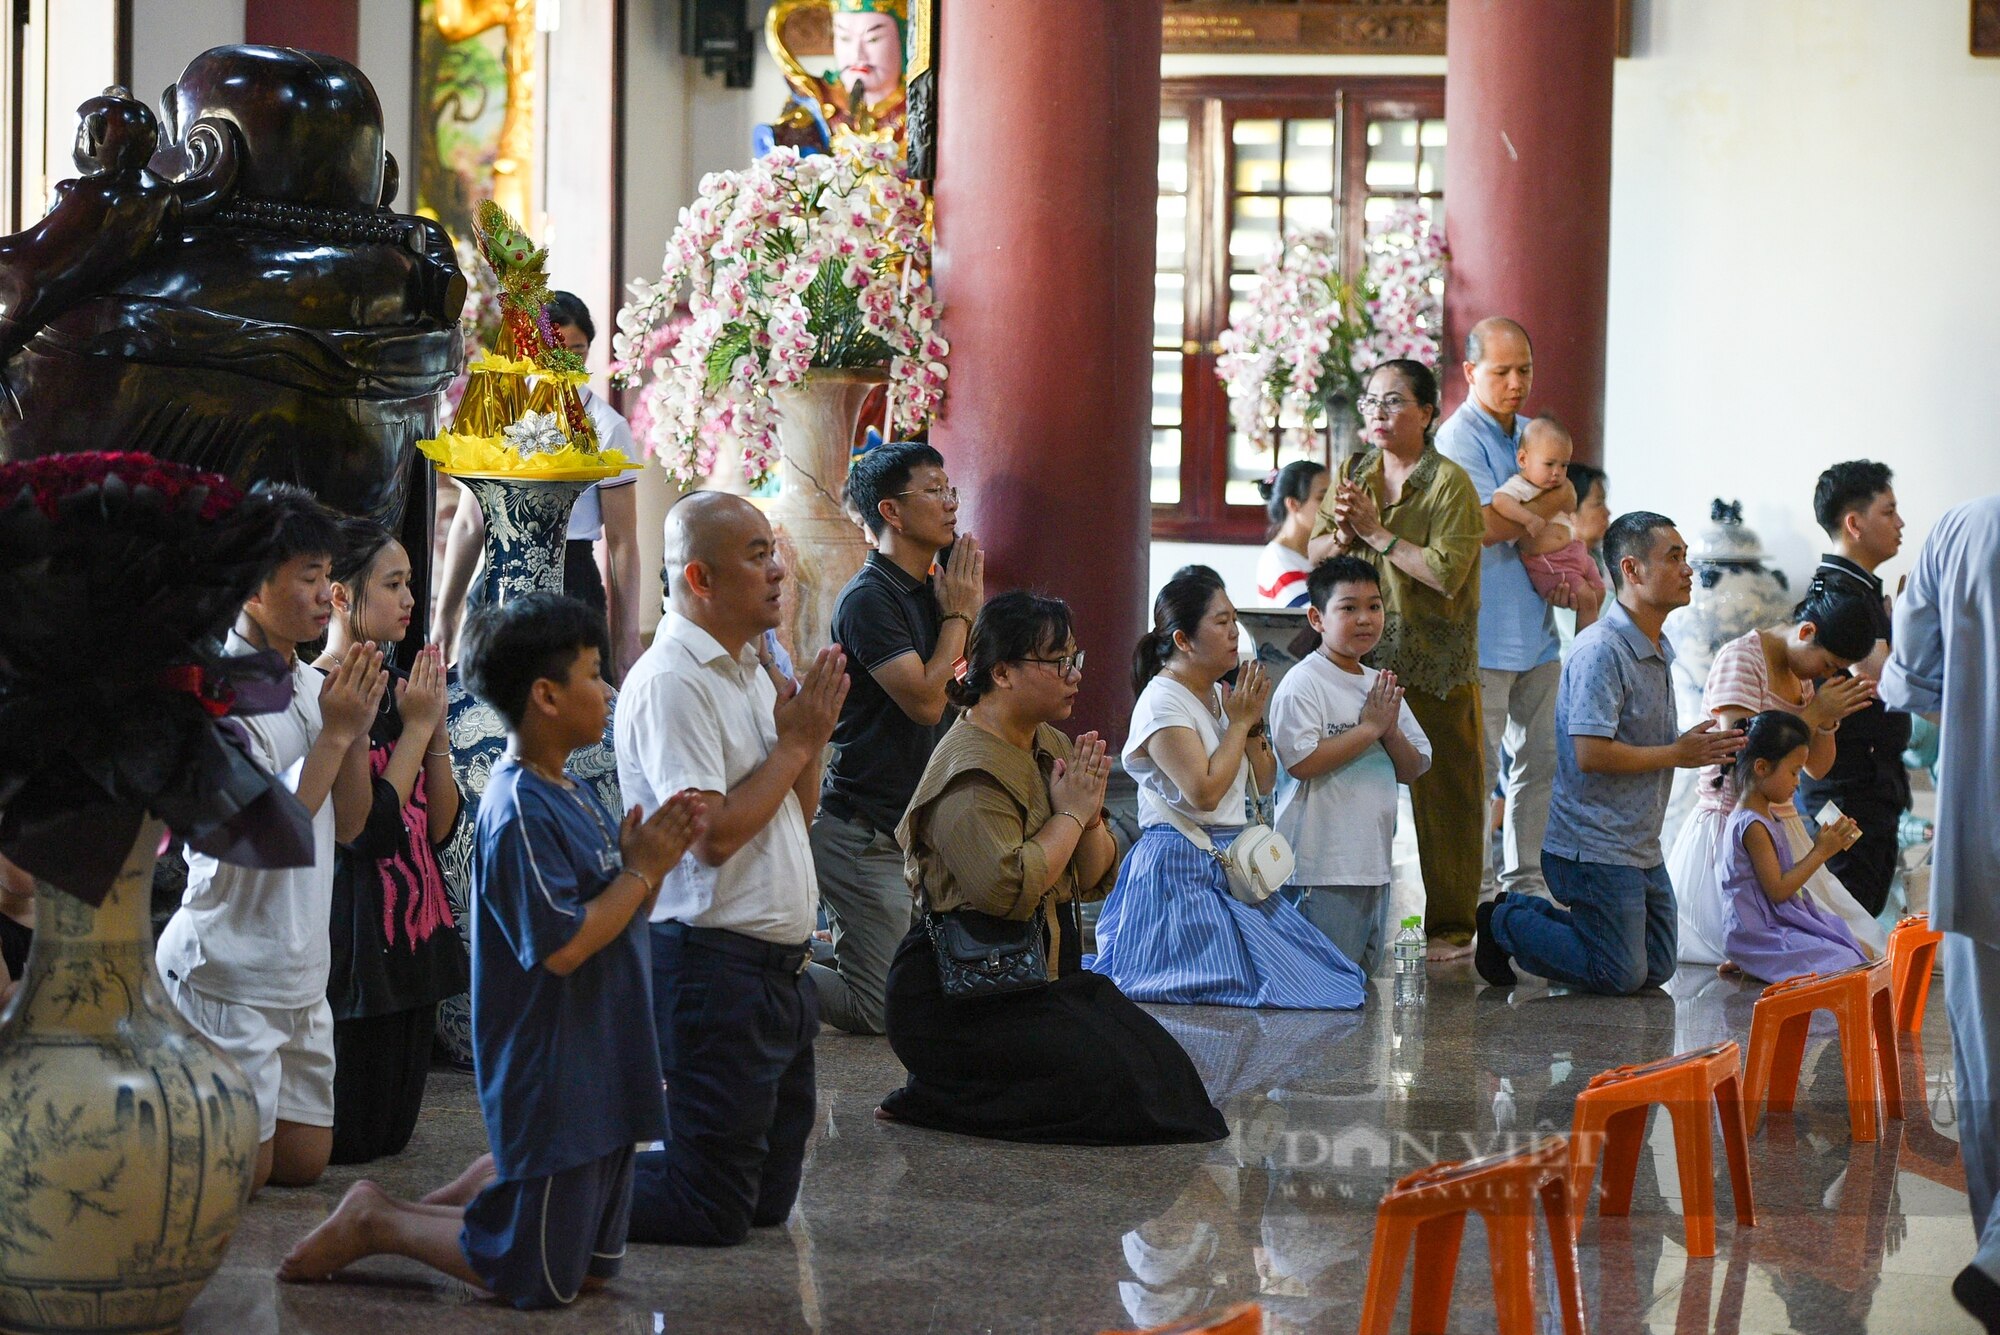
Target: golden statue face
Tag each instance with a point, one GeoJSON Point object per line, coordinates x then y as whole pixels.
{"type": "Point", "coordinates": [867, 47]}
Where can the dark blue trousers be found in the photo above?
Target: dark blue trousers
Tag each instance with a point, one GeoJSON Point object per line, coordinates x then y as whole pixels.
{"type": "Point", "coordinates": [736, 1019]}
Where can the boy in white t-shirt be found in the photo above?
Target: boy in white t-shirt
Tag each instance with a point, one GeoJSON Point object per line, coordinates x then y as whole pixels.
{"type": "Point", "coordinates": [1343, 732]}
{"type": "Point", "coordinates": [246, 956]}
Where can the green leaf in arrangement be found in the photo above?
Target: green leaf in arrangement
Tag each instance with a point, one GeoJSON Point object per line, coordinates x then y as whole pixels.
{"type": "Point", "coordinates": [833, 317]}
{"type": "Point", "coordinates": [733, 342]}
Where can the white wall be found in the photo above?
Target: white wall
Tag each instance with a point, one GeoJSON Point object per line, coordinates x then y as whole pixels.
{"type": "Point", "coordinates": [1803, 196]}
{"type": "Point", "coordinates": [167, 34]}
{"type": "Point", "coordinates": [388, 55]}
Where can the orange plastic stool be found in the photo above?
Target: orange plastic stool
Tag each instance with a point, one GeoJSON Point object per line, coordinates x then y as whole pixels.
{"type": "Point", "coordinates": [1913, 948]}
{"type": "Point", "coordinates": [1611, 1120]}
{"type": "Point", "coordinates": [1242, 1319]}
{"type": "Point", "coordinates": [1860, 1001]}
{"type": "Point", "coordinates": [1429, 1207]}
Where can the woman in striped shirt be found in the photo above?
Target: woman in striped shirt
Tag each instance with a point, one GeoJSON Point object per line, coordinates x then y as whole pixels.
{"type": "Point", "coordinates": [1171, 931]}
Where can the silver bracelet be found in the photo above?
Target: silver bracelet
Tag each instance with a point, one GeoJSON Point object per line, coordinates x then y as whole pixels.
{"type": "Point", "coordinates": [429, 752]}
{"type": "Point", "coordinates": [1081, 828]}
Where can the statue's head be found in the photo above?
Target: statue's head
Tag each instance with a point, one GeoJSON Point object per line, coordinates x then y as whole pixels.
{"type": "Point", "coordinates": [309, 124]}
{"type": "Point", "coordinates": [868, 44]}
{"type": "Point", "coordinates": [114, 134]}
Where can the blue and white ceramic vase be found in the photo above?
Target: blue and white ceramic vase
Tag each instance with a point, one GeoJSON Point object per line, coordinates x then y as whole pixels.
{"type": "Point", "coordinates": [527, 524]}
{"type": "Point", "coordinates": [127, 1138]}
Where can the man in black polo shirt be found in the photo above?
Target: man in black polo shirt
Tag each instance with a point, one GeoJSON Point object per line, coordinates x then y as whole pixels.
{"type": "Point", "coordinates": [904, 625]}
{"type": "Point", "coordinates": [1854, 504]}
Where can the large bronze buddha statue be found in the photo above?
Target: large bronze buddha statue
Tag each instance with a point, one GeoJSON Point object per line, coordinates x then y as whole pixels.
{"type": "Point", "coordinates": [239, 297]}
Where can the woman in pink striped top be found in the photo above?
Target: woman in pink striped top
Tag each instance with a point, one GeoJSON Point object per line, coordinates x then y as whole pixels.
{"type": "Point", "coordinates": [1774, 668]}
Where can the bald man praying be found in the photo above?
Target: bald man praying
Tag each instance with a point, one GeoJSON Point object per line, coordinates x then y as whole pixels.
{"type": "Point", "coordinates": [731, 934]}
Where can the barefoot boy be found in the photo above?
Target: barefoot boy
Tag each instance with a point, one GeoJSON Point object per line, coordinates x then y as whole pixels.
{"type": "Point", "coordinates": [567, 1084]}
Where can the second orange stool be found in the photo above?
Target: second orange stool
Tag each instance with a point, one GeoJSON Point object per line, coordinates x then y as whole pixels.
{"type": "Point", "coordinates": [1913, 948]}
{"type": "Point", "coordinates": [1860, 1001]}
{"type": "Point", "coordinates": [1428, 1208]}
{"type": "Point", "coordinates": [1610, 1124]}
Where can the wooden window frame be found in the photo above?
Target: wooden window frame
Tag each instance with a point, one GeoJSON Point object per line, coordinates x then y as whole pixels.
{"type": "Point", "coordinates": [1210, 105]}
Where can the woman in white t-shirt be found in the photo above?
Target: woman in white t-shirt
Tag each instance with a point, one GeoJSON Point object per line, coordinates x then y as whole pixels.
{"type": "Point", "coordinates": [1171, 931]}
{"type": "Point", "coordinates": [1292, 495]}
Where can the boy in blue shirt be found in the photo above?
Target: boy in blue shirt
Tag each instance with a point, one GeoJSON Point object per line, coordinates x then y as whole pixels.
{"type": "Point", "coordinates": [560, 978]}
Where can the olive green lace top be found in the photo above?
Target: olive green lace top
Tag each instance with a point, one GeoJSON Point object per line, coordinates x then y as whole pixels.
{"type": "Point", "coordinates": [1430, 640]}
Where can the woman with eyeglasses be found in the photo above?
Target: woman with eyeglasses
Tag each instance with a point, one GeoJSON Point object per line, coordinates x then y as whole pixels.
{"type": "Point", "coordinates": [1171, 930]}
{"type": "Point", "coordinates": [1007, 827]}
{"type": "Point", "coordinates": [1413, 514]}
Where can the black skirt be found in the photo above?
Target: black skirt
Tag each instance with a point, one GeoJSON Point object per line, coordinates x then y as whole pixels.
{"type": "Point", "coordinates": [1074, 1063]}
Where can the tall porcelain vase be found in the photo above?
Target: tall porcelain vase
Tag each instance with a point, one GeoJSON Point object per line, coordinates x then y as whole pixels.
{"type": "Point", "coordinates": [820, 546]}
{"type": "Point", "coordinates": [127, 1139]}
{"type": "Point", "coordinates": [527, 524]}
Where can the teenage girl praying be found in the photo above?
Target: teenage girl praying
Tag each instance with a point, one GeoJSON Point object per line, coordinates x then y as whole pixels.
{"type": "Point", "coordinates": [1776, 929]}
{"type": "Point", "coordinates": [396, 951]}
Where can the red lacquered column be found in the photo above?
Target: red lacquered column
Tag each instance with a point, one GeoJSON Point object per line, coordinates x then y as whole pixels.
{"type": "Point", "coordinates": [1528, 192]}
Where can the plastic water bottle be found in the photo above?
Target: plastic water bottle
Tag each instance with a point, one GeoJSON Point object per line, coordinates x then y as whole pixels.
{"type": "Point", "coordinates": [1408, 952]}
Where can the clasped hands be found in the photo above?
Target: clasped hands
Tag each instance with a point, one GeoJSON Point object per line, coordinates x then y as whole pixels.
{"type": "Point", "coordinates": [1356, 517]}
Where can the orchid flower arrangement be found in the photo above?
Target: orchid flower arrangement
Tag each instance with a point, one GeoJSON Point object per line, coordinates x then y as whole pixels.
{"type": "Point", "coordinates": [790, 264]}
{"type": "Point", "coordinates": [1308, 334]}
{"type": "Point", "coordinates": [1406, 262]}
{"type": "Point", "coordinates": [1293, 347]}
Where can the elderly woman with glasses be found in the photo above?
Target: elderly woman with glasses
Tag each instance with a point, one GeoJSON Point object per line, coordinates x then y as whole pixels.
{"type": "Point", "coordinates": [1004, 836]}
{"type": "Point", "coordinates": [1414, 515]}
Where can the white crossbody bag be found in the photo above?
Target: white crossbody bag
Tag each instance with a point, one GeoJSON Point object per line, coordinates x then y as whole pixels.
{"type": "Point", "coordinates": [1258, 862]}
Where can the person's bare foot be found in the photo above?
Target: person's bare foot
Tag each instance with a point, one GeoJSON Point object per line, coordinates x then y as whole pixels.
{"type": "Point", "coordinates": [1441, 951]}
{"type": "Point", "coordinates": [461, 1189]}
{"type": "Point", "coordinates": [1729, 969]}
{"type": "Point", "coordinates": [338, 1242]}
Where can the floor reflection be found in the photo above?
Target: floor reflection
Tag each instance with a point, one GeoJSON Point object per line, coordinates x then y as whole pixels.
{"type": "Point", "coordinates": [901, 1229]}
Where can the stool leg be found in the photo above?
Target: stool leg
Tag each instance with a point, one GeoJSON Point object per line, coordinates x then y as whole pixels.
{"type": "Point", "coordinates": [1857, 1060]}
{"type": "Point", "coordinates": [1883, 1013]}
{"type": "Point", "coordinates": [1757, 1060]}
{"type": "Point", "coordinates": [1694, 1148]}
{"type": "Point", "coordinates": [1557, 1203]}
{"type": "Point", "coordinates": [1385, 1273]}
{"type": "Point", "coordinates": [1736, 1144]}
{"type": "Point", "coordinates": [1786, 1063]}
{"type": "Point", "coordinates": [1624, 1139]}
{"type": "Point", "coordinates": [1510, 1236]}
{"type": "Point", "coordinates": [1586, 1147]}
{"type": "Point", "coordinates": [1436, 1272]}
{"type": "Point", "coordinates": [1922, 960]}
{"type": "Point", "coordinates": [1911, 980]}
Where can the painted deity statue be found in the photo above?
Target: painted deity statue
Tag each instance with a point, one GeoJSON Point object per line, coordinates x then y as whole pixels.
{"type": "Point", "coordinates": [863, 95]}
{"type": "Point", "coordinates": [225, 285]}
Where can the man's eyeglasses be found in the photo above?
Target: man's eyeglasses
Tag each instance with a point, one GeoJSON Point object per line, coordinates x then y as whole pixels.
{"type": "Point", "coordinates": [1386, 404]}
{"type": "Point", "coordinates": [945, 495]}
{"type": "Point", "coordinates": [1064, 666]}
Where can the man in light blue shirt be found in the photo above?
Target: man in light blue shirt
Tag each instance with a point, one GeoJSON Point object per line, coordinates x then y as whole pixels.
{"type": "Point", "coordinates": [1518, 650]}
{"type": "Point", "coordinates": [1945, 664]}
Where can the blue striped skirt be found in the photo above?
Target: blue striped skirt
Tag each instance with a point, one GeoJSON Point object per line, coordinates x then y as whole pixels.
{"type": "Point", "coordinates": [1172, 932]}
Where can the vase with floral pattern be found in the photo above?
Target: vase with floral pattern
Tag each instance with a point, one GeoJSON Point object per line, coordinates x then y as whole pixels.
{"type": "Point", "coordinates": [527, 524]}
{"type": "Point", "coordinates": [127, 1138]}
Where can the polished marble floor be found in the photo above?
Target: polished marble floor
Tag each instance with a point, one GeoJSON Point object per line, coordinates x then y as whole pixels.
{"type": "Point", "coordinates": [900, 1229]}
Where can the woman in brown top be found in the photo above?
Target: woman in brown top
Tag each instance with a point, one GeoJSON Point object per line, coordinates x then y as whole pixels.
{"type": "Point", "coordinates": [1008, 820]}
{"type": "Point", "coordinates": [1414, 515]}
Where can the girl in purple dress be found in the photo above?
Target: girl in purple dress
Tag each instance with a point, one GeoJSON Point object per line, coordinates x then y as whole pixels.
{"type": "Point", "coordinates": [1776, 929]}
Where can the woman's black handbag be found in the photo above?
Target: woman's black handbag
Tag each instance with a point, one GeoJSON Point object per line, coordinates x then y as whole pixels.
{"type": "Point", "coordinates": [979, 955]}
